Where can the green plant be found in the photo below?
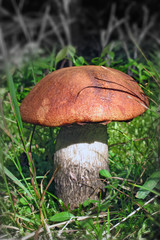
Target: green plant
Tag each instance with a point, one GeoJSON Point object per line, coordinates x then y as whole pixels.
{"type": "Point", "coordinates": [28, 204]}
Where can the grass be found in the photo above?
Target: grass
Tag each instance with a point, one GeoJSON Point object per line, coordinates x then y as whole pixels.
{"type": "Point", "coordinates": [30, 210]}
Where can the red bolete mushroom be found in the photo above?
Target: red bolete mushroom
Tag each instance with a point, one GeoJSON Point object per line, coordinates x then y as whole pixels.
{"type": "Point", "coordinates": [82, 100]}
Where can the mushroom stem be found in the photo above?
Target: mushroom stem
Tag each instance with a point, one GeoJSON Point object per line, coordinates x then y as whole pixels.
{"type": "Point", "coordinates": [81, 151]}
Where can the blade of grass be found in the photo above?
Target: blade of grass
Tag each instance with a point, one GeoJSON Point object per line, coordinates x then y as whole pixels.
{"type": "Point", "coordinates": [146, 189]}
{"type": "Point", "coordinates": [14, 105]}
{"type": "Point", "coordinates": [53, 176]}
{"type": "Point", "coordinates": [11, 85]}
{"type": "Point", "coordinates": [108, 222]}
{"type": "Point", "coordinates": [148, 62]}
{"type": "Point", "coordinates": [14, 179]}
{"type": "Point", "coordinates": [6, 184]}
{"type": "Point", "coordinates": [150, 184]}
{"type": "Point", "coordinates": [132, 213]}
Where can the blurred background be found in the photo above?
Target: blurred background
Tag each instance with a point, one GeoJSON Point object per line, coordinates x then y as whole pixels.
{"type": "Point", "coordinates": [41, 26]}
{"type": "Point", "coordinates": [37, 37]}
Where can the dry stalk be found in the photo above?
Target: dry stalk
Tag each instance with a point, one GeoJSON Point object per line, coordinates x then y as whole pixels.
{"type": "Point", "coordinates": [132, 213]}
{"type": "Point", "coordinates": [82, 218]}
{"type": "Point", "coordinates": [113, 23]}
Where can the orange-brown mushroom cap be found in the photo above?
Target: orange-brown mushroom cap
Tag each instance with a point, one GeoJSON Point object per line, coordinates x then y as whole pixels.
{"type": "Point", "coordinates": [83, 94]}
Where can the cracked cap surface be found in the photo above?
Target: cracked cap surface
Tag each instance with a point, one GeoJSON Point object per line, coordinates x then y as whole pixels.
{"type": "Point", "coordinates": [83, 94]}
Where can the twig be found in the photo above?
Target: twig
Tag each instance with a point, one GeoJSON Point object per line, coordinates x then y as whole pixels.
{"type": "Point", "coordinates": [9, 227]}
{"type": "Point", "coordinates": [138, 36]}
{"type": "Point", "coordinates": [49, 234]}
{"type": "Point", "coordinates": [122, 37]}
{"type": "Point", "coordinates": [122, 179]}
{"type": "Point", "coordinates": [43, 26]}
{"type": "Point", "coordinates": [60, 232]}
{"type": "Point", "coordinates": [53, 176]}
{"type": "Point", "coordinates": [33, 184]}
{"type": "Point", "coordinates": [41, 185]}
{"type": "Point", "coordinates": [113, 23]}
{"type": "Point", "coordinates": [21, 21]}
{"type": "Point", "coordinates": [65, 24]}
{"type": "Point", "coordinates": [56, 30]}
{"type": "Point", "coordinates": [127, 196]}
{"type": "Point", "coordinates": [131, 214]}
{"type": "Point", "coordinates": [63, 223]}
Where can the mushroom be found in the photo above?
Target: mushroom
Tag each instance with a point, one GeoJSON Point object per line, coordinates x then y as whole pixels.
{"type": "Point", "coordinates": [82, 100]}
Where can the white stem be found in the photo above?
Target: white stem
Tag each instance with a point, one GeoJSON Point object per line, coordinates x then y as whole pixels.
{"type": "Point", "coordinates": [81, 151]}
